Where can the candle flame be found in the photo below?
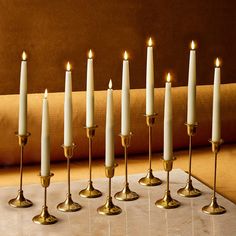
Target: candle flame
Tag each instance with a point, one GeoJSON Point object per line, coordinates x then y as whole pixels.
{"type": "Point", "coordinates": [46, 93]}
{"type": "Point", "coordinates": [168, 77]}
{"type": "Point", "coordinates": [68, 66]}
{"type": "Point", "coordinates": [150, 42]}
{"type": "Point", "coordinates": [24, 56]}
{"type": "Point", "coordinates": [193, 46]}
{"type": "Point", "coordinates": [90, 54]}
{"type": "Point", "coordinates": [110, 84]}
{"type": "Point", "coordinates": [217, 63]}
{"type": "Point", "coordinates": [126, 55]}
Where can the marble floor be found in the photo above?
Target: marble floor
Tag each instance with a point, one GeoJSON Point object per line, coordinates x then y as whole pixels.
{"type": "Point", "coordinates": [140, 217]}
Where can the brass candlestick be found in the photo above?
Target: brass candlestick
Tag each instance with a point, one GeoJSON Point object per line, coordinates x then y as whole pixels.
{"type": "Point", "coordinates": [90, 191]}
{"type": "Point", "coordinates": [126, 194]}
{"type": "Point", "coordinates": [167, 201]}
{"type": "Point", "coordinates": [20, 201]}
{"type": "Point", "coordinates": [189, 190]}
{"type": "Point", "coordinates": [68, 205]}
{"type": "Point", "coordinates": [213, 208]}
{"type": "Point", "coordinates": [109, 208]}
{"type": "Point", "coordinates": [44, 218]}
{"type": "Point", "coordinates": [150, 179]}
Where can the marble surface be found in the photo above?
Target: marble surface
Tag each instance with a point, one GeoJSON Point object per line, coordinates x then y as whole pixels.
{"type": "Point", "coordinates": [140, 217]}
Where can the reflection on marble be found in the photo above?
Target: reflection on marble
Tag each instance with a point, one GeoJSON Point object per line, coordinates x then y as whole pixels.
{"type": "Point", "coordinates": [140, 217]}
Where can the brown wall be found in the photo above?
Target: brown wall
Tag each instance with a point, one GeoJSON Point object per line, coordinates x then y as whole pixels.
{"type": "Point", "coordinates": [55, 31]}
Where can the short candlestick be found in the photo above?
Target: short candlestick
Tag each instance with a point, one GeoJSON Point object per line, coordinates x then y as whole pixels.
{"type": "Point", "coordinates": [20, 201]}
{"type": "Point", "coordinates": [150, 179]}
{"type": "Point", "coordinates": [44, 218]}
{"type": "Point", "coordinates": [167, 201]}
{"type": "Point", "coordinates": [213, 208]}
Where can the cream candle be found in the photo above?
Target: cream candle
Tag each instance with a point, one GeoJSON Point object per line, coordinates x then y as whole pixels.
{"type": "Point", "coordinates": [191, 113]}
{"type": "Point", "coordinates": [125, 97]}
{"type": "Point", "coordinates": [168, 139]}
{"type": "Point", "coordinates": [216, 119]}
{"type": "Point", "coordinates": [68, 108]}
{"type": "Point", "coordinates": [45, 139]}
{"type": "Point", "coordinates": [109, 155]}
{"type": "Point", "coordinates": [90, 92]}
{"type": "Point", "coordinates": [22, 126]}
{"type": "Point", "coordinates": [149, 80]}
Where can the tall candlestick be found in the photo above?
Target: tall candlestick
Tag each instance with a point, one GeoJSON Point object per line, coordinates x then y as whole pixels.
{"type": "Point", "coordinates": [90, 92]}
{"type": "Point", "coordinates": [216, 127]}
{"type": "Point", "coordinates": [22, 127]}
{"type": "Point", "coordinates": [45, 139]}
{"type": "Point", "coordinates": [168, 145]}
{"type": "Point", "coordinates": [109, 162]}
{"type": "Point", "coordinates": [191, 113]}
{"type": "Point", "coordinates": [125, 98]}
{"type": "Point", "coordinates": [150, 80]}
{"type": "Point", "coordinates": [68, 108]}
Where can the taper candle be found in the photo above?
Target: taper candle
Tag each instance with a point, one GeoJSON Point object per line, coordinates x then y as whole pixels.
{"type": "Point", "coordinates": [90, 92]}
{"type": "Point", "coordinates": [68, 108]}
{"type": "Point", "coordinates": [45, 139]}
{"type": "Point", "coordinates": [109, 160]}
{"type": "Point", "coordinates": [168, 139]}
{"type": "Point", "coordinates": [216, 119]}
{"type": "Point", "coordinates": [125, 97]}
{"type": "Point", "coordinates": [191, 113]}
{"type": "Point", "coordinates": [149, 80]}
{"type": "Point", "coordinates": [22, 126]}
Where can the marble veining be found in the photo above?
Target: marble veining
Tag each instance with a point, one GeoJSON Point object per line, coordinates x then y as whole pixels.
{"type": "Point", "coordinates": [140, 217]}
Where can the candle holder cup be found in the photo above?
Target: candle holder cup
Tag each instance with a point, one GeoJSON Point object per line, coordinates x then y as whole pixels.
{"type": "Point", "coordinates": [68, 205]}
{"type": "Point", "coordinates": [109, 208]}
{"type": "Point", "coordinates": [167, 201]}
{"type": "Point", "coordinates": [126, 194]}
{"type": "Point", "coordinates": [150, 179]}
{"type": "Point", "coordinates": [44, 218]}
{"type": "Point", "coordinates": [213, 208]}
{"type": "Point", "coordinates": [20, 201]}
{"type": "Point", "coordinates": [189, 190]}
{"type": "Point", "coordinates": [90, 191]}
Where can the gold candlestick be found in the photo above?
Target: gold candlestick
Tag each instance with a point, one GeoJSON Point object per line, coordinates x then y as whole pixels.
{"type": "Point", "coordinates": [126, 194]}
{"type": "Point", "coordinates": [213, 208]}
{"type": "Point", "coordinates": [189, 190]}
{"type": "Point", "coordinates": [150, 179]}
{"type": "Point", "coordinates": [20, 201]}
{"type": "Point", "coordinates": [68, 205]}
{"type": "Point", "coordinates": [44, 218]}
{"type": "Point", "coordinates": [109, 208]}
{"type": "Point", "coordinates": [90, 191]}
{"type": "Point", "coordinates": [167, 201]}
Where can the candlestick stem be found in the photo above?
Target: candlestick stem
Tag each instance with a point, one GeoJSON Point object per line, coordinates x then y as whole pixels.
{"type": "Point", "coordinates": [68, 205]}
{"type": "Point", "coordinates": [189, 190]}
{"type": "Point", "coordinates": [150, 179]}
{"type": "Point", "coordinates": [90, 191]}
{"type": "Point", "coordinates": [109, 208]}
{"type": "Point", "coordinates": [20, 201]}
{"type": "Point", "coordinates": [213, 208]}
{"type": "Point", "coordinates": [126, 194]}
{"type": "Point", "coordinates": [44, 218]}
{"type": "Point", "coordinates": [167, 201]}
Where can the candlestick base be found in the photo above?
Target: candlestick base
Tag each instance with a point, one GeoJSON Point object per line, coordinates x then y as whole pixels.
{"type": "Point", "coordinates": [189, 190]}
{"type": "Point", "coordinates": [90, 191]}
{"type": "Point", "coordinates": [20, 201]}
{"type": "Point", "coordinates": [214, 208]}
{"type": "Point", "coordinates": [44, 218]}
{"type": "Point", "coordinates": [109, 208]}
{"type": "Point", "coordinates": [167, 202]}
{"type": "Point", "coordinates": [126, 194]}
{"type": "Point", "coordinates": [150, 179]}
{"type": "Point", "coordinates": [68, 205]}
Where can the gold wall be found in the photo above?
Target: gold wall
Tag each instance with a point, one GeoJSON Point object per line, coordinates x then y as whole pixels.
{"type": "Point", "coordinates": [54, 31]}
